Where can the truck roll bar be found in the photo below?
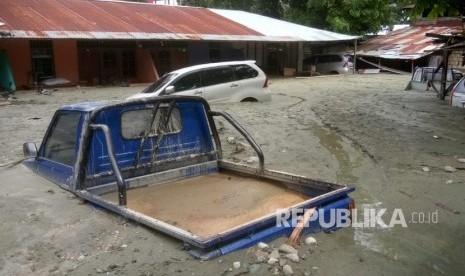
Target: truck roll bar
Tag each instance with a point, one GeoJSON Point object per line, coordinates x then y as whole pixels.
{"type": "Point", "coordinates": [122, 198]}
{"type": "Point", "coordinates": [244, 133]}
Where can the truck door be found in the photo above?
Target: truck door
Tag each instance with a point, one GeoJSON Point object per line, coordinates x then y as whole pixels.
{"type": "Point", "coordinates": [57, 153]}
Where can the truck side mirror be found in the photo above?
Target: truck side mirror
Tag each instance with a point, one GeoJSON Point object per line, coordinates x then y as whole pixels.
{"type": "Point", "coordinates": [169, 90]}
{"type": "Point", "coordinates": [29, 150]}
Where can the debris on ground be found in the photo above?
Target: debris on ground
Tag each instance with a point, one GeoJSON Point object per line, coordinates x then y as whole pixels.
{"type": "Point", "coordinates": [272, 261]}
{"type": "Point", "coordinates": [293, 257]}
{"type": "Point", "coordinates": [310, 240]}
{"type": "Point", "coordinates": [449, 169]}
{"type": "Point", "coordinates": [285, 248]}
{"type": "Point", "coordinates": [262, 245]}
{"type": "Point", "coordinates": [287, 270]}
{"type": "Point", "coordinates": [425, 169]}
{"type": "Point", "coordinates": [237, 265]}
{"type": "Point", "coordinates": [252, 159]}
{"type": "Point", "coordinates": [231, 140]}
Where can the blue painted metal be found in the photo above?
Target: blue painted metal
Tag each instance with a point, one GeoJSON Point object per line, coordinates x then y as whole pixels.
{"type": "Point", "coordinates": [266, 223]}
{"type": "Point", "coordinates": [271, 232]}
{"type": "Point", "coordinates": [198, 137]}
{"type": "Point", "coordinates": [194, 138]}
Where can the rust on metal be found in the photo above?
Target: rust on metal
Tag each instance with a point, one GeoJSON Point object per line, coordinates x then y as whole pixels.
{"type": "Point", "coordinates": [408, 43]}
{"type": "Point", "coordinates": [86, 19]}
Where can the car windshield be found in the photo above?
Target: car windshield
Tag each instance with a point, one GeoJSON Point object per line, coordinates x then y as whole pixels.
{"type": "Point", "coordinates": [159, 83]}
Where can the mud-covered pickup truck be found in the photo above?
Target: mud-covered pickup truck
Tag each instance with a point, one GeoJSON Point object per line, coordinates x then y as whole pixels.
{"type": "Point", "coordinates": [159, 162]}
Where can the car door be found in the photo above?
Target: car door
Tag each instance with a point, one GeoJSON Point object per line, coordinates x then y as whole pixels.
{"type": "Point", "coordinates": [458, 96]}
{"type": "Point", "coordinates": [251, 85]}
{"type": "Point", "coordinates": [188, 84]}
{"type": "Point", "coordinates": [218, 84]}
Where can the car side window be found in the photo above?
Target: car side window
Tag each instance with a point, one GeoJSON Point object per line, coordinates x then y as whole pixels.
{"type": "Point", "coordinates": [244, 72]}
{"type": "Point", "coordinates": [60, 145]}
{"type": "Point", "coordinates": [324, 59]}
{"type": "Point", "coordinates": [336, 58]}
{"type": "Point", "coordinates": [217, 76]}
{"type": "Point", "coordinates": [460, 87]}
{"type": "Point", "coordinates": [187, 82]}
{"type": "Point", "coordinates": [417, 75]}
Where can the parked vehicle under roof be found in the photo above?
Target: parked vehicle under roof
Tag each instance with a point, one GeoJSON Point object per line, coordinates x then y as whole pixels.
{"type": "Point", "coordinates": [235, 81]}
{"type": "Point", "coordinates": [331, 63]}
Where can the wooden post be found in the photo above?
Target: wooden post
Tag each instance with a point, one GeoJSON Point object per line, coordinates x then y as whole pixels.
{"type": "Point", "coordinates": [445, 63]}
{"type": "Point", "coordinates": [355, 55]}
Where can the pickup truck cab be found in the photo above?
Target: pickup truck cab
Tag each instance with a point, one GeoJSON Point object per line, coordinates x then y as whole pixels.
{"type": "Point", "coordinates": [158, 161]}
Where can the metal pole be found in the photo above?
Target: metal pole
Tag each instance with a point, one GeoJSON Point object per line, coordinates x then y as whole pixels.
{"type": "Point", "coordinates": [244, 133]}
{"type": "Point", "coordinates": [122, 198]}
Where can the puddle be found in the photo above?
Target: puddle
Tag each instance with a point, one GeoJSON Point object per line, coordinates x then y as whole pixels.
{"type": "Point", "coordinates": [334, 144]}
{"type": "Point", "coordinates": [349, 160]}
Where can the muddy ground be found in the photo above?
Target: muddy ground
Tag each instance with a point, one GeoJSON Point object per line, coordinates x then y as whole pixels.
{"type": "Point", "coordinates": [362, 130]}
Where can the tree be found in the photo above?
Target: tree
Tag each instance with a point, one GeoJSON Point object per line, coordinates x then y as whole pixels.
{"type": "Point", "coordinates": [436, 8]}
{"type": "Point", "coordinates": [344, 16]}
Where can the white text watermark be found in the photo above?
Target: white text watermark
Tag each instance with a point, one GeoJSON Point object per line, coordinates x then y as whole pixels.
{"type": "Point", "coordinates": [366, 218]}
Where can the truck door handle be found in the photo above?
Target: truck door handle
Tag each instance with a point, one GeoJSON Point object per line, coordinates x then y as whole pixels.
{"type": "Point", "coordinates": [198, 92]}
{"type": "Point", "coordinates": [234, 85]}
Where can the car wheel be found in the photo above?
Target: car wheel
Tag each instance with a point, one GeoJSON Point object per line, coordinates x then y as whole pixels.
{"type": "Point", "coordinates": [249, 99]}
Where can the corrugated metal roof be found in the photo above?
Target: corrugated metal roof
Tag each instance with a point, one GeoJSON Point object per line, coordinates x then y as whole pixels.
{"type": "Point", "coordinates": [278, 28]}
{"type": "Point", "coordinates": [409, 43]}
{"type": "Point", "coordinates": [87, 19]}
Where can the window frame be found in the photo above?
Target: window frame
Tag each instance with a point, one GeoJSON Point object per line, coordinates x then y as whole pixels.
{"type": "Point", "coordinates": [50, 133]}
{"type": "Point", "coordinates": [205, 71]}
{"type": "Point", "coordinates": [182, 77]}
{"type": "Point", "coordinates": [152, 134]}
{"type": "Point", "coordinates": [249, 70]}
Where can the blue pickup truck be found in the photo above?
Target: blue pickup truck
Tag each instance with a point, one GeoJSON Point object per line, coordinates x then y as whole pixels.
{"type": "Point", "coordinates": [159, 162]}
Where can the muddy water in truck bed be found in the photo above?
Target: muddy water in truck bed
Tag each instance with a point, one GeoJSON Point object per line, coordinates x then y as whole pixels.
{"type": "Point", "coordinates": [210, 204]}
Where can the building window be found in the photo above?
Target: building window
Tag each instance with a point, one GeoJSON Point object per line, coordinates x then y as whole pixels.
{"type": "Point", "coordinates": [43, 66]}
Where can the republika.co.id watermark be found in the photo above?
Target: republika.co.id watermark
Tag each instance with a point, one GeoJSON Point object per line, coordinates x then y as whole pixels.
{"type": "Point", "coordinates": [365, 218]}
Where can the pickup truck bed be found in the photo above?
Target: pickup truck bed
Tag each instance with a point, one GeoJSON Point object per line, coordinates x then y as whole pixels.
{"type": "Point", "coordinates": [210, 204]}
{"type": "Point", "coordinates": [159, 162]}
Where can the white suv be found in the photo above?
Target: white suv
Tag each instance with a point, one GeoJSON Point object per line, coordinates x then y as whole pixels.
{"type": "Point", "coordinates": [331, 63]}
{"type": "Point", "coordinates": [235, 81]}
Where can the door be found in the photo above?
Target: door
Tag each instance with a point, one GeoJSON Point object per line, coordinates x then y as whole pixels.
{"type": "Point", "coordinates": [458, 97]}
{"type": "Point", "coordinates": [219, 84]}
{"type": "Point", "coordinates": [57, 155]}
